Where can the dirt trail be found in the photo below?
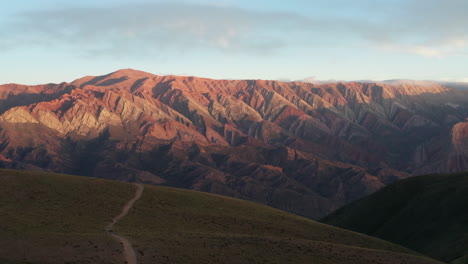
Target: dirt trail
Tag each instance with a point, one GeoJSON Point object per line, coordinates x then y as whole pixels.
{"type": "Point", "coordinates": [129, 252]}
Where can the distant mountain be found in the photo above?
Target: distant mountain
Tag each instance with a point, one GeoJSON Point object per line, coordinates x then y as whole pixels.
{"type": "Point", "coordinates": [457, 85]}
{"type": "Point", "coordinates": [305, 148]}
{"type": "Point", "coordinates": [424, 213]}
{"type": "Point", "coordinates": [454, 85]}
{"type": "Point", "coordinates": [50, 218]}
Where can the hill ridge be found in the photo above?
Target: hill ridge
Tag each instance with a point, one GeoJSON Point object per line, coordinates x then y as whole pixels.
{"type": "Point", "coordinates": [425, 213]}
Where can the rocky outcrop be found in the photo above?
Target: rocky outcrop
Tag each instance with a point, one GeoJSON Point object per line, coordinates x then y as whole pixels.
{"type": "Point", "coordinates": [307, 148]}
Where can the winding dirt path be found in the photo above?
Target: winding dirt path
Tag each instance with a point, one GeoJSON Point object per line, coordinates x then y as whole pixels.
{"type": "Point", "coordinates": [128, 251]}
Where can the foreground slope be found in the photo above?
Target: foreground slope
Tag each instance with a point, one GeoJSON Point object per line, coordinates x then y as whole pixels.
{"type": "Point", "coordinates": [51, 218]}
{"type": "Point", "coordinates": [48, 218]}
{"type": "Point", "coordinates": [426, 213]}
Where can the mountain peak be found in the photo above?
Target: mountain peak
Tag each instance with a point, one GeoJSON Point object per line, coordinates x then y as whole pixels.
{"type": "Point", "coordinates": [130, 73]}
{"type": "Point", "coordinates": [113, 77]}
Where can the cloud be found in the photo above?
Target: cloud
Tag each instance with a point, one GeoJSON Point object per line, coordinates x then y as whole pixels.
{"type": "Point", "coordinates": [314, 80]}
{"type": "Point", "coordinates": [439, 50]}
{"type": "Point", "coordinates": [446, 79]}
{"type": "Point", "coordinates": [147, 27]}
{"type": "Point", "coordinates": [430, 28]}
{"type": "Point", "coordinates": [183, 26]}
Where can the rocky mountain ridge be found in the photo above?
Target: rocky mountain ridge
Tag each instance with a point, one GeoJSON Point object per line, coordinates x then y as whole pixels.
{"type": "Point", "coordinates": [306, 148]}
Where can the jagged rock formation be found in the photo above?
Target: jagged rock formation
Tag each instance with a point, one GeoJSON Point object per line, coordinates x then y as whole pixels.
{"type": "Point", "coordinates": [306, 148]}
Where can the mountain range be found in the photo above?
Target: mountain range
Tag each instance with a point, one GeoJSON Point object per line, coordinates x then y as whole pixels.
{"type": "Point", "coordinates": [302, 147]}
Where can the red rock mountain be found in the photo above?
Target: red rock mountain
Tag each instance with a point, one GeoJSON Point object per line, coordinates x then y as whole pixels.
{"type": "Point", "coordinates": [306, 148]}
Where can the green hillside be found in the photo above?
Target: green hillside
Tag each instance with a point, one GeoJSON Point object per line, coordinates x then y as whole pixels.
{"type": "Point", "coordinates": [426, 213]}
{"type": "Point", "coordinates": [50, 218]}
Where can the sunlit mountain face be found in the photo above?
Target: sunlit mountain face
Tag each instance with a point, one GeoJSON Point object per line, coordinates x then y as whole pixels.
{"type": "Point", "coordinates": [306, 148]}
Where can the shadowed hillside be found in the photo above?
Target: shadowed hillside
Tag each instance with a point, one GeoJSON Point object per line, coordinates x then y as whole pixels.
{"type": "Point", "coordinates": [425, 213]}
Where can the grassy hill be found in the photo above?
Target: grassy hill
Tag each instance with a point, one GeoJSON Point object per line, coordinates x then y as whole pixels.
{"type": "Point", "coordinates": [426, 213]}
{"type": "Point", "coordinates": [50, 218]}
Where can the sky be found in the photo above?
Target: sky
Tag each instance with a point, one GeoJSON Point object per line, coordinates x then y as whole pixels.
{"type": "Point", "coordinates": [53, 41]}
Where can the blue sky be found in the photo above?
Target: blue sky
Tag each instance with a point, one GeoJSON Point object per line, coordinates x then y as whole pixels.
{"type": "Point", "coordinates": [53, 41]}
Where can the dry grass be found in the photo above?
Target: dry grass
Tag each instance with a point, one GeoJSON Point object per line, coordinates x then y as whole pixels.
{"type": "Point", "coordinates": [50, 218]}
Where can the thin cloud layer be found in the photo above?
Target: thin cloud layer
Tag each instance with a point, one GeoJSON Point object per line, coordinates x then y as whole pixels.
{"type": "Point", "coordinates": [430, 28]}
{"type": "Point", "coordinates": [153, 26]}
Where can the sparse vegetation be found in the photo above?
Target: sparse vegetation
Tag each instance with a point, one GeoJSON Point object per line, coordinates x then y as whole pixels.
{"type": "Point", "coordinates": [50, 218]}
{"type": "Point", "coordinates": [179, 226]}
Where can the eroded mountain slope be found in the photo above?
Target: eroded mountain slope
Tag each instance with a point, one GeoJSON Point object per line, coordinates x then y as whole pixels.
{"type": "Point", "coordinates": [302, 147]}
